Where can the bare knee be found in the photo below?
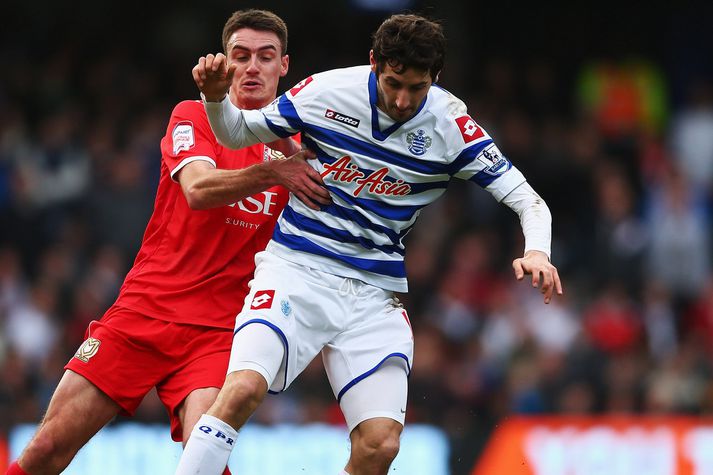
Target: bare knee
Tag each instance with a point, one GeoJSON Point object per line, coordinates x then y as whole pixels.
{"type": "Point", "coordinates": [47, 453]}
{"type": "Point", "coordinates": [379, 443]}
{"type": "Point", "coordinates": [242, 393]}
{"type": "Point", "coordinates": [247, 387]}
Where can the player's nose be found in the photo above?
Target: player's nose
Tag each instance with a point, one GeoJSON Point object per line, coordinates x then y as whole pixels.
{"type": "Point", "coordinates": [253, 65]}
{"type": "Point", "coordinates": [403, 101]}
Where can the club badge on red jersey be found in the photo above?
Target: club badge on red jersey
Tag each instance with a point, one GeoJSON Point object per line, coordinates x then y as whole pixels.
{"type": "Point", "coordinates": [88, 349]}
{"type": "Point", "coordinates": [183, 137]}
{"type": "Point", "coordinates": [262, 299]}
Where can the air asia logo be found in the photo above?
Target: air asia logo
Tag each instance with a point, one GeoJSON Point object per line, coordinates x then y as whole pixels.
{"type": "Point", "coordinates": [469, 129]}
{"type": "Point", "coordinates": [345, 119]}
{"type": "Point", "coordinates": [376, 183]}
{"type": "Point", "coordinates": [88, 349]}
{"type": "Point", "coordinates": [300, 85]}
{"type": "Point", "coordinates": [418, 142]}
{"type": "Point", "coordinates": [182, 136]}
{"type": "Point", "coordinates": [495, 163]}
{"type": "Point", "coordinates": [263, 299]}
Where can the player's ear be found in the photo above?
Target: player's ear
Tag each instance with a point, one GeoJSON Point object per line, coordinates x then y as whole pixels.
{"type": "Point", "coordinates": [372, 61]}
{"type": "Point", "coordinates": [438, 76]}
{"type": "Point", "coordinates": [284, 64]}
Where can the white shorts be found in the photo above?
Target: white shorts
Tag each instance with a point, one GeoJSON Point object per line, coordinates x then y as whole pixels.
{"type": "Point", "coordinates": [356, 326]}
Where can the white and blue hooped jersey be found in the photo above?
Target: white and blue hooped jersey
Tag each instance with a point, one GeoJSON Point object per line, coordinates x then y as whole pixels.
{"type": "Point", "coordinates": [379, 176]}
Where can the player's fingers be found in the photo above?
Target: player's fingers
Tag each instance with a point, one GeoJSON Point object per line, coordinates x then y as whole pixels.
{"type": "Point", "coordinates": [558, 283]}
{"type": "Point", "coordinates": [197, 76]}
{"type": "Point", "coordinates": [535, 278]}
{"type": "Point", "coordinates": [209, 59]}
{"type": "Point", "coordinates": [308, 154]}
{"type": "Point", "coordinates": [319, 193]}
{"type": "Point", "coordinates": [201, 67]}
{"type": "Point", "coordinates": [517, 268]}
{"type": "Point", "coordinates": [308, 202]}
{"type": "Point", "coordinates": [314, 176]}
{"type": "Point", "coordinates": [547, 285]}
{"type": "Point", "coordinates": [232, 67]}
{"type": "Point", "coordinates": [218, 62]}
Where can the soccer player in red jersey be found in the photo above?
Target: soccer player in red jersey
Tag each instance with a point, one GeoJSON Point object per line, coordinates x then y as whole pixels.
{"type": "Point", "coordinates": [172, 325]}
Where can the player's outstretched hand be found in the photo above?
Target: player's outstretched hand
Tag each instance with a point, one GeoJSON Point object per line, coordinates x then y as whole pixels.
{"type": "Point", "coordinates": [213, 76]}
{"type": "Point", "coordinates": [303, 181]}
{"type": "Point", "coordinates": [544, 274]}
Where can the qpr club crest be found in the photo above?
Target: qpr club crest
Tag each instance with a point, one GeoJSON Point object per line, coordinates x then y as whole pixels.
{"type": "Point", "coordinates": [286, 308]}
{"type": "Point", "coordinates": [418, 142]}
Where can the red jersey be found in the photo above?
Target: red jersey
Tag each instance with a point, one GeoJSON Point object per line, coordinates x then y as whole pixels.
{"type": "Point", "coordinates": [194, 265]}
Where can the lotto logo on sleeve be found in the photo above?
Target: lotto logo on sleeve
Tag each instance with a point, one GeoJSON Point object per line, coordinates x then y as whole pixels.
{"type": "Point", "coordinates": [262, 300]}
{"type": "Point", "coordinates": [469, 129]}
{"type": "Point", "coordinates": [300, 85]}
{"type": "Point", "coordinates": [182, 137]}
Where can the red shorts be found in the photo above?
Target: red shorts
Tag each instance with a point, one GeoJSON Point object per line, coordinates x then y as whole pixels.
{"type": "Point", "coordinates": [126, 354]}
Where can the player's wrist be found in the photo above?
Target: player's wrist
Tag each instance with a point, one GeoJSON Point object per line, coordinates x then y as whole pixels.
{"type": "Point", "coordinates": [212, 98]}
{"type": "Point", "coordinates": [531, 252]}
{"type": "Point", "coordinates": [267, 174]}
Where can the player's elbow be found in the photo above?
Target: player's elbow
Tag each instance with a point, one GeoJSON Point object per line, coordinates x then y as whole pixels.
{"type": "Point", "coordinates": [227, 141]}
{"type": "Point", "coordinates": [196, 198]}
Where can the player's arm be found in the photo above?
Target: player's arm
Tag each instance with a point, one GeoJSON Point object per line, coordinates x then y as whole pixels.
{"type": "Point", "coordinates": [205, 186]}
{"type": "Point", "coordinates": [536, 222]}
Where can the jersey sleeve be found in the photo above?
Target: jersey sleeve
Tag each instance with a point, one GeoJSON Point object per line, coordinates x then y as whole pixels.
{"type": "Point", "coordinates": [282, 117]}
{"type": "Point", "coordinates": [188, 138]}
{"type": "Point", "coordinates": [476, 157]}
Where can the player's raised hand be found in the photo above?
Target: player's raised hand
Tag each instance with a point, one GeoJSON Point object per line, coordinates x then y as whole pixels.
{"type": "Point", "coordinates": [213, 76]}
{"type": "Point", "coordinates": [303, 181]}
{"type": "Point", "coordinates": [544, 274]}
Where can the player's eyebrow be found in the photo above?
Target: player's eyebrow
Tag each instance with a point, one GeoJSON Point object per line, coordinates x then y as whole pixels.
{"type": "Point", "coordinates": [261, 48]}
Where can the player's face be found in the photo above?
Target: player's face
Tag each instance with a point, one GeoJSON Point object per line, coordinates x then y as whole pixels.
{"type": "Point", "coordinates": [261, 64]}
{"type": "Point", "coordinates": [400, 95]}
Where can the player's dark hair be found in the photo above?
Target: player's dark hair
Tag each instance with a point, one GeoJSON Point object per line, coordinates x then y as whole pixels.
{"type": "Point", "coordinates": [409, 41]}
{"type": "Point", "coordinates": [260, 20]}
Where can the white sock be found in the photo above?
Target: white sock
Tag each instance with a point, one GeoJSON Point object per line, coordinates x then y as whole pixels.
{"type": "Point", "coordinates": [208, 449]}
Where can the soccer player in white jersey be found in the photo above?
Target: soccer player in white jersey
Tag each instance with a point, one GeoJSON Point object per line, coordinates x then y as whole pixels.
{"type": "Point", "coordinates": [387, 144]}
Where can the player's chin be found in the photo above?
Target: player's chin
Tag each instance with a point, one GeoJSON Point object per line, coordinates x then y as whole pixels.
{"type": "Point", "coordinates": [400, 116]}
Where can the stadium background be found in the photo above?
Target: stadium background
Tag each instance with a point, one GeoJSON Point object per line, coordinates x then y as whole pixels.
{"type": "Point", "coordinates": [607, 107]}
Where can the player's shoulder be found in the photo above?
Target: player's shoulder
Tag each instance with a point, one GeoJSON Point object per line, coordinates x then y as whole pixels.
{"type": "Point", "coordinates": [189, 109]}
{"type": "Point", "coordinates": [453, 122]}
{"type": "Point", "coordinates": [445, 105]}
{"type": "Point", "coordinates": [334, 79]}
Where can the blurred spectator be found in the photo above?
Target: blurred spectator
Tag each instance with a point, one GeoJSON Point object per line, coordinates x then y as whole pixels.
{"type": "Point", "coordinates": [692, 137]}
{"type": "Point", "coordinates": [620, 235]}
{"type": "Point", "coordinates": [612, 322]}
{"type": "Point", "coordinates": [31, 328]}
{"type": "Point", "coordinates": [678, 222]}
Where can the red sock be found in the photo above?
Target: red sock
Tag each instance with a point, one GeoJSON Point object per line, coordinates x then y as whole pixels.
{"type": "Point", "coordinates": [225, 472]}
{"type": "Point", "coordinates": [15, 469]}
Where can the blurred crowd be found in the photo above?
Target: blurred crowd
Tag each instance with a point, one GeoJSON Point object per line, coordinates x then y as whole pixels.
{"type": "Point", "coordinates": [627, 173]}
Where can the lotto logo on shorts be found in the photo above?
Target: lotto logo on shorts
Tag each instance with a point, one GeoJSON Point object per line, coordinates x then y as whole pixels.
{"type": "Point", "coordinates": [469, 129]}
{"type": "Point", "coordinates": [88, 349]}
{"type": "Point", "coordinates": [263, 299]}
